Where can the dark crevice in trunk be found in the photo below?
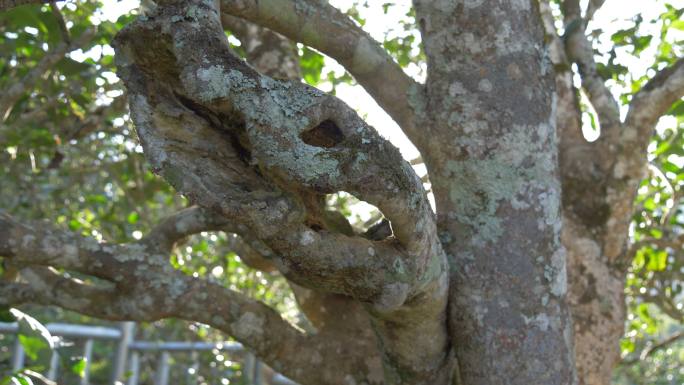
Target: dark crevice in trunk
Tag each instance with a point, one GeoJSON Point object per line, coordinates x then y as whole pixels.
{"type": "Point", "coordinates": [326, 134]}
{"type": "Point", "coordinates": [233, 125]}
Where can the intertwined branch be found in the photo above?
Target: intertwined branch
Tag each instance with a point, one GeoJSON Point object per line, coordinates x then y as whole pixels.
{"type": "Point", "coordinates": [259, 155]}
{"type": "Point", "coordinates": [136, 282]}
{"type": "Point", "coordinates": [199, 116]}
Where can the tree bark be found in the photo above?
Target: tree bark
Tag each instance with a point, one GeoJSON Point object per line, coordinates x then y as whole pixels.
{"type": "Point", "coordinates": [484, 292]}
{"type": "Point", "coordinates": [493, 166]}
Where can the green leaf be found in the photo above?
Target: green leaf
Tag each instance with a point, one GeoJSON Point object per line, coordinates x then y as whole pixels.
{"type": "Point", "coordinates": [677, 108]}
{"type": "Point", "coordinates": [32, 345]}
{"type": "Point", "coordinates": [79, 367]}
{"type": "Point", "coordinates": [20, 17]}
{"type": "Point", "coordinates": [678, 24]}
{"type": "Point", "coordinates": [69, 67]}
{"type": "Point", "coordinates": [133, 218]}
{"type": "Point", "coordinates": [657, 260]}
{"type": "Point", "coordinates": [312, 64]}
{"type": "Point", "coordinates": [627, 345]}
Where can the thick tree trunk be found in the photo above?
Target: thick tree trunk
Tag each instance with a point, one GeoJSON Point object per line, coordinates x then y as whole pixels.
{"type": "Point", "coordinates": [596, 286]}
{"type": "Point", "coordinates": [493, 166]}
{"type": "Point", "coordinates": [596, 296]}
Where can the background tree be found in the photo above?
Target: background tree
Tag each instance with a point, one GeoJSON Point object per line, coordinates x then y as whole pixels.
{"type": "Point", "coordinates": [260, 155]}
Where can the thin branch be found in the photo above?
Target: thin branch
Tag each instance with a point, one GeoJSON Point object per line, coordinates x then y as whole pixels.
{"type": "Point", "coordinates": [677, 197]}
{"type": "Point", "coordinates": [33, 116]}
{"type": "Point", "coordinates": [653, 100]}
{"type": "Point", "coordinates": [592, 8]}
{"type": "Point", "coordinates": [15, 91]}
{"type": "Point", "coordinates": [675, 242]}
{"type": "Point", "coordinates": [580, 51]}
{"type": "Point", "coordinates": [653, 348]}
{"type": "Point", "coordinates": [184, 223]}
{"type": "Point", "coordinates": [323, 27]}
{"type": "Point", "coordinates": [60, 21]}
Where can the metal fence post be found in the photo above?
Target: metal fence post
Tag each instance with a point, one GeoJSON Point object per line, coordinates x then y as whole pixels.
{"type": "Point", "coordinates": [17, 356]}
{"type": "Point", "coordinates": [257, 372]}
{"type": "Point", "coordinates": [121, 354]}
{"type": "Point", "coordinates": [134, 368]}
{"type": "Point", "coordinates": [193, 371]}
{"type": "Point", "coordinates": [162, 377]}
{"type": "Point", "coordinates": [248, 368]}
{"type": "Point", "coordinates": [54, 365]}
{"type": "Point", "coordinates": [88, 357]}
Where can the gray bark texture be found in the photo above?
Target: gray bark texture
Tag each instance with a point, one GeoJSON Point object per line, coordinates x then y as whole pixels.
{"type": "Point", "coordinates": [518, 276]}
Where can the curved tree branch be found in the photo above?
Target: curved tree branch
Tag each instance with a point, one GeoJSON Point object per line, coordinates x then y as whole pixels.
{"type": "Point", "coordinates": [653, 100]}
{"type": "Point", "coordinates": [328, 30]}
{"type": "Point", "coordinates": [653, 348]}
{"type": "Point", "coordinates": [182, 224]}
{"type": "Point", "coordinates": [579, 50]}
{"type": "Point", "coordinates": [269, 52]}
{"type": "Point", "coordinates": [142, 288]}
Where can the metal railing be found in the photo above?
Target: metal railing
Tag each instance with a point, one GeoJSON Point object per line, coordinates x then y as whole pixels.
{"type": "Point", "coordinates": [126, 360]}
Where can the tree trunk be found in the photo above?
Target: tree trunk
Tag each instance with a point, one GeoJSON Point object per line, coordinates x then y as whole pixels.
{"type": "Point", "coordinates": [596, 298]}
{"type": "Point", "coordinates": [493, 166]}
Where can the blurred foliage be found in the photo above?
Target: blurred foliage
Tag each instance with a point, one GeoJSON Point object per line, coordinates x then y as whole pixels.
{"type": "Point", "coordinates": [69, 155]}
